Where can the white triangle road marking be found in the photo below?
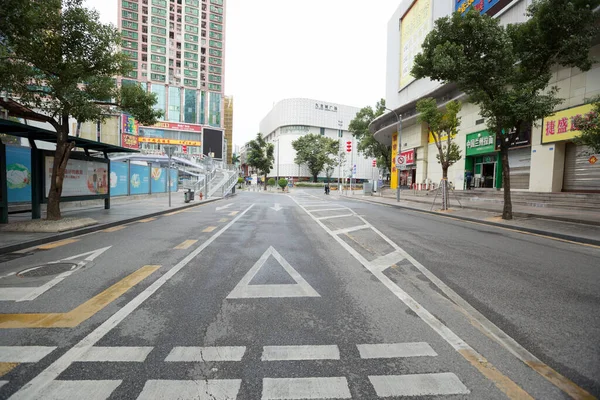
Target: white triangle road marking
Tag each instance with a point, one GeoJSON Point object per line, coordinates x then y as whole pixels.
{"type": "Point", "coordinates": [244, 290]}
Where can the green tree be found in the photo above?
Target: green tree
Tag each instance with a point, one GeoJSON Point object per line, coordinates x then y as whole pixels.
{"type": "Point", "coordinates": [442, 125]}
{"type": "Point", "coordinates": [315, 151]}
{"type": "Point", "coordinates": [261, 155]}
{"type": "Point", "coordinates": [506, 70]}
{"type": "Point", "coordinates": [589, 125]}
{"type": "Point", "coordinates": [58, 60]}
{"type": "Point", "coordinates": [282, 183]}
{"type": "Point", "coordinates": [271, 182]}
{"type": "Point", "coordinates": [240, 181]}
{"type": "Point", "coordinates": [367, 144]}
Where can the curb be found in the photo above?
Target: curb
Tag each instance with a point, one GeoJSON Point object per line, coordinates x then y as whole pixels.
{"type": "Point", "coordinates": [99, 227]}
{"type": "Point", "coordinates": [555, 235]}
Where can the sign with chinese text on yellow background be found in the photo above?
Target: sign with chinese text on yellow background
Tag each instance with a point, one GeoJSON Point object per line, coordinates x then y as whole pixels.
{"type": "Point", "coordinates": [559, 127]}
{"type": "Point", "coordinates": [394, 173]}
{"type": "Point", "coordinates": [143, 139]}
{"type": "Point", "coordinates": [415, 25]}
{"type": "Point", "coordinates": [443, 138]}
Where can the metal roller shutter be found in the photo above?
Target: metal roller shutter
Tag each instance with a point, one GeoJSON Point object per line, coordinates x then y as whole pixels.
{"type": "Point", "coordinates": [580, 175]}
{"type": "Point", "coordinates": [520, 167]}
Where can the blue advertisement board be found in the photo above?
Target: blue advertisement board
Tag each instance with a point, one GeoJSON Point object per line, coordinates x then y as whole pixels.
{"type": "Point", "coordinates": [174, 174]}
{"type": "Point", "coordinates": [119, 178]}
{"type": "Point", "coordinates": [159, 180]}
{"type": "Point", "coordinates": [483, 6]}
{"type": "Point", "coordinates": [18, 174]}
{"type": "Point", "coordinates": [139, 179]}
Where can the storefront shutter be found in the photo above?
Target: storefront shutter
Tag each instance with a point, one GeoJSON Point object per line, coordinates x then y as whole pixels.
{"type": "Point", "coordinates": [579, 174]}
{"type": "Point", "coordinates": [520, 166]}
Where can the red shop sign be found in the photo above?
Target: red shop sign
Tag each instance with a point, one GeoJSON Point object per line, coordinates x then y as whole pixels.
{"type": "Point", "coordinates": [409, 156]}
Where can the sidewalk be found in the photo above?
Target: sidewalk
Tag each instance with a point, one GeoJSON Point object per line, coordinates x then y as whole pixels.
{"type": "Point", "coordinates": [575, 225]}
{"type": "Point", "coordinates": [120, 213]}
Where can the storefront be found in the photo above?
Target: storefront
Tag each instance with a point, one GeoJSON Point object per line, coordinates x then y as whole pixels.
{"type": "Point", "coordinates": [482, 161]}
{"type": "Point", "coordinates": [408, 170]}
{"type": "Point", "coordinates": [519, 160]}
{"type": "Point", "coordinates": [581, 168]}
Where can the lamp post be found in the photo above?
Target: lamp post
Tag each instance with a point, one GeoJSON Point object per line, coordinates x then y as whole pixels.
{"type": "Point", "coordinates": [169, 150]}
{"type": "Point", "coordinates": [340, 152]}
{"type": "Point", "coordinates": [399, 128]}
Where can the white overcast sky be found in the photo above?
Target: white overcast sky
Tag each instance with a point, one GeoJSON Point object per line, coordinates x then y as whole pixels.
{"type": "Point", "coordinates": [330, 50]}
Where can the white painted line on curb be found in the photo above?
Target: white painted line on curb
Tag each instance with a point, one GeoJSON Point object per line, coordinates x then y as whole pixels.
{"type": "Point", "coordinates": [289, 353]}
{"type": "Point", "coordinates": [24, 354]}
{"type": "Point", "coordinates": [305, 388]}
{"type": "Point", "coordinates": [35, 387]}
{"type": "Point", "coordinates": [395, 350]}
{"type": "Point", "coordinates": [210, 389]}
{"type": "Point", "coordinates": [445, 383]}
{"type": "Point", "coordinates": [206, 354]}
{"type": "Point", "coordinates": [88, 390]}
{"type": "Point", "coordinates": [116, 354]}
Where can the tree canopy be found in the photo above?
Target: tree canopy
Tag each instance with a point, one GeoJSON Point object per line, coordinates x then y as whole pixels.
{"type": "Point", "coordinates": [261, 155]}
{"type": "Point", "coordinates": [316, 152]}
{"type": "Point", "coordinates": [367, 144]}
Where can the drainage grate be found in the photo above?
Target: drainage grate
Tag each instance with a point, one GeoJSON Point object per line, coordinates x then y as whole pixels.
{"type": "Point", "coordinates": [46, 269]}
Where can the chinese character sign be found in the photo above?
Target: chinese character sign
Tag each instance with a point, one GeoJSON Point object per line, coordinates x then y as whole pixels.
{"type": "Point", "coordinates": [129, 125]}
{"type": "Point", "coordinates": [483, 6]}
{"type": "Point", "coordinates": [559, 127]}
{"type": "Point", "coordinates": [480, 143]}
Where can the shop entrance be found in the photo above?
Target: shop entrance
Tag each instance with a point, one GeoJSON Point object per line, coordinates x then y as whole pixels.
{"type": "Point", "coordinates": [485, 175]}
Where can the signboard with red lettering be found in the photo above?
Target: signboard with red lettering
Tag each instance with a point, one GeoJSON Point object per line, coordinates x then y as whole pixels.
{"type": "Point", "coordinates": [129, 141]}
{"type": "Point", "coordinates": [176, 126]}
{"type": "Point", "coordinates": [143, 139]}
{"type": "Point", "coordinates": [560, 126]}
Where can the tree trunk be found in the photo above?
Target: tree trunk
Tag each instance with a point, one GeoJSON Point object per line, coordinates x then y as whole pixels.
{"type": "Point", "coordinates": [61, 158]}
{"type": "Point", "coordinates": [315, 178]}
{"type": "Point", "coordinates": [444, 187]}
{"type": "Point", "coordinates": [507, 209]}
{"type": "Point", "coordinates": [265, 180]}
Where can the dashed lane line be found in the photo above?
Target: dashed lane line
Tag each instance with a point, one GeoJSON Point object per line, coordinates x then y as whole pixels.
{"type": "Point", "coordinates": [185, 245]}
{"type": "Point", "coordinates": [54, 245]}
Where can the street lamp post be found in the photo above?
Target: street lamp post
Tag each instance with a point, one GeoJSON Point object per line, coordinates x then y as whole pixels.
{"type": "Point", "coordinates": [399, 128]}
{"type": "Point", "coordinates": [169, 150]}
{"type": "Point", "coordinates": [340, 152]}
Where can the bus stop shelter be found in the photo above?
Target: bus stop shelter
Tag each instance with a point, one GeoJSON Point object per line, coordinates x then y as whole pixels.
{"type": "Point", "coordinates": [85, 150]}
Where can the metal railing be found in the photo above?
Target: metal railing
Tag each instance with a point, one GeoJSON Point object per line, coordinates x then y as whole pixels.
{"type": "Point", "coordinates": [231, 182]}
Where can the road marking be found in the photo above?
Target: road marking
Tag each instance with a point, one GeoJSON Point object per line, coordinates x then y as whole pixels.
{"type": "Point", "coordinates": [384, 262]}
{"type": "Point", "coordinates": [223, 220]}
{"type": "Point", "coordinates": [24, 354]}
{"type": "Point", "coordinates": [244, 290]}
{"type": "Point", "coordinates": [224, 207]}
{"type": "Point", "coordinates": [210, 389]}
{"type": "Point", "coordinates": [395, 350]}
{"type": "Point", "coordinates": [276, 208]}
{"type": "Point", "coordinates": [114, 228]}
{"type": "Point", "coordinates": [233, 213]}
{"type": "Point", "coordinates": [174, 213]}
{"type": "Point", "coordinates": [6, 367]}
{"type": "Point", "coordinates": [80, 313]}
{"type": "Point", "coordinates": [209, 229]}
{"type": "Point", "coordinates": [116, 354]}
{"type": "Point", "coordinates": [89, 390]}
{"type": "Point", "coordinates": [54, 245]}
{"type": "Point", "coordinates": [502, 382]}
{"type": "Point", "coordinates": [147, 220]}
{"type": "Point", "coordinates": [2, 383]}
{"type": "Point", "coordinates": [38, 384]}
{"type": "Point", "coordinates": [288, 353]}
{"type": "Point", "coordinates": [332, 216]}
{"type": "Point", "coordinates": [305, 388]}
{"type": "Point", "coordinates": [205, 354]}
{"type": "Point", "coordinates": [185, 245]}
{"type": "Point", "coordinates": [445, 383]}
{"type": "Point", "coordinates": [351, 229]}
{"type": "Point", "coordinates": [328, 209]}
{"type": "Point", "coordinates": [14, 293]}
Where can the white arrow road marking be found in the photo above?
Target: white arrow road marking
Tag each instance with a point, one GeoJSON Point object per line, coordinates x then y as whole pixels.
{"type": "Point", "coordinates": [224, 207]}
{"type": "Point", "coordinates": [244, 290]}
{"type": "Point", "coordinates": [277, 207]}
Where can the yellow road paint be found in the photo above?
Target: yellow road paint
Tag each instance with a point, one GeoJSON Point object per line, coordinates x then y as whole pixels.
{"type": "Point", "coordinates": [223, 220]}
{"type": "Point", "coordinates": [6, 367]}
{"type": "Point", "coordinates": [185, 245]}
{"type": "Point", "coordinates": [233, 213]}
{"type": "Point", "coordinates": [564, 384]}
{"type": "Point", "coordinates": [173, 213]}
{"type": "Point", "coordinates": [54, 245]}
{"type": "Point", "coordinates": [81, 313]}
{"type": "Point", "coordinates": [209, 229]}
{"type": "Point", "coordinates": [147, 220]}
{"type": "Point", "coordinates": [114, 228]}
{"type": "Point", "coordinates": [502, 382]}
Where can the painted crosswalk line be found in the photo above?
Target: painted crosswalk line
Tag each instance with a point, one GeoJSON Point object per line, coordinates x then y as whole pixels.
{"type": "Point", "coordinates": [289, 353]}
{"type": "Point", "coordinates": [206, 354]}
{"type": "Point", "coordinates": [395, 350]}
{"type": "Point", "coordinates": [88, 390]}
{"type": "Point", "coordinates": [116, 354]}
{"type": "Point", "coordinates": [211, 389]}
{"type": "Point", "coordinates": [305, 388]}
{"type": "Point", "coordinates": [24, 354]}
{"type": "Point", "coordinates": [445, 383]}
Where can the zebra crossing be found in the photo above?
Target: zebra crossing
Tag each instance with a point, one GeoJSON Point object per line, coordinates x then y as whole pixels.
{"type": "Point", "coordinates": [308, 387]}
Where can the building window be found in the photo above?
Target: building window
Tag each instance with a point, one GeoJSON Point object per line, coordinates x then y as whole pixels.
{"type": "Point", "coordinates": [189, 106]}
{"type": "Point", "coordinates": [216, 88]}
{"type": "Point", "coordinates": [129, 25]}
{"type": "Point", "coordinates": [158, 40]}
{"type": "Point", "coordinates": [216, 18]}
{"type": "Point", "coordinates": [215, 35]}
{"type": "Point", "coordinates": [216, 70]}
{"type": "Point", "coordinates": [216, 10]}
{"type": "Point", "coordinates": [322, 131]}
{"type": "Point", "coordinates": [174, 104]}
{"type": "Point", "coordinates": [130, 5]}
{"type": "Point", "coordinates": [158, 31]}
{"type": "Point", "coordinates": [130, 45]}
{"type": "Point", "coordinates": [160, 91]}
{"type": "Point", "coordinates": [219, 2]}
{"type": "Point", "coordinates": [190, 82]}
{"type": "Point", "coordinates": [217, 53]}
{"type": "Point", "coordinates": [161, 3]}
{"type": "Point", "coordinates": [159, 21]}
{"type": "Point", "coordinates": [214, 43]}
{"type": "Point", "coordinates": [190, 64]}
{"type": "Point", "coordinates": [216, 27]}
{"type": "Point", "coordinates": [190, 56]}
{"type": "Point", "coordinates": [160, 59]}
{"type": "Point", "coordinates": [214, 61]}
{"type": "Point", "coordinates": [192, 11]}
{"type": "Point", "coordinates": [160, 78]}
{"type": "Point", "coordinates": [190, 74]}
{"type": "Point", "coordinates": [129, 35]}
{"type": "Point", "coordinates": [159, 11]}
{"type": "Point", "coordinates": [191, 20]}
{"type": "Point", "coordinates": [131, 54]}
{"type": "Point", "coordinates": [191, 29]}
{"type": "Point", "coordinates": [214, 78]}
{"type": "Point", "coordinates": [158, 68]}
{"type": "Point", "coordinates": [191, 47]}
{"type": "Point", "coordinates": [194, 3]}
{"type": "Point", "coordinates": [340, 133]}
{"type": "Point", "coordinates": [129, 15]}
{"type": "Point", "coordinates": [191, 38]}
{"type": "Point", "coordinates": [158, 49]}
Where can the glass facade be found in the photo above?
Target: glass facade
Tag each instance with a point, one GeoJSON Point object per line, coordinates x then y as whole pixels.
{"type": "Point", "coordinates": [174, 104]}
{"type": "Point", "coordinates": [203, 107]}
{"type": "Point", "coordinates": [161, 96]}
{"type": "Point", "coordinates": [189, 106]}
{"type": "Point", "coordinates": [214, 109]}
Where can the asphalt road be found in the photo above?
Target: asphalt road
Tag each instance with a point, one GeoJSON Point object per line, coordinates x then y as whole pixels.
{"type": "Point", "coordinates": [273, 296]}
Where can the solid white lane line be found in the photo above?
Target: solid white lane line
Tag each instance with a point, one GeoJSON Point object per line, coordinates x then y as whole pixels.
{"type": "Point", "coordinates": [116, 354]}
{"type": "Point", "coordinates": [88, 390]}
{"type": "Point", "coordinates": [351, 229]}
{"type": "Point", "coordinates": [394, 350]}
{"type": "Point", "coordinates": [14, 293]}
{"type": "Point", "coordinates": [205, 354]}
{"type": "Point", "coordinates": [305, 388]}
{"type": "Point", "coordinates": [418, 385]}
{"type": "Point", "coordinates": [24, 354]}
{"type": "Point", "coordinates": [210, 389]}
{"type": "Point", "coordinates": [289, 353]}
{"type": "Point", "coordinates": [332, 216]}
{"type": "Point", "coordinates": [329, 209]}
{"type": "Point", "coordinates": [37, 384]}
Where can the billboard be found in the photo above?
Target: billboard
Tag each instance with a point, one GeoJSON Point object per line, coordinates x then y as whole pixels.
{"type": "Point", "coordinates": [129, 141]}
{"type": "Point", "coordinates": [129, 125]}
{"type": "Point", "coordinates": [158, 184]}
{"type": "Point", "coordinates": [18, 173]}
{"type": "Point", "coordinates": [176, 126]}
{"type": "Point", "coordinates": [414, 26]}
{"type": "Point", "coordinates": [139, 179]}
{"type": "Point", "coordinates": [559, 126]}
{"type": "Point", "coordinates": [483, 6]}
{"type": "Point", "coordinates": [118, 178]}
{"type": "Point", "coordinates": [480, 143]}
{"type": "Point", "coordinates": [82, 177]}
{"type": "Point", "coordinates": [213, 142]}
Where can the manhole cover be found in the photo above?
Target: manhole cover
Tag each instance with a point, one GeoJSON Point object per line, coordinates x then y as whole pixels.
{"type": "Point", "coordinates": [46, 269]}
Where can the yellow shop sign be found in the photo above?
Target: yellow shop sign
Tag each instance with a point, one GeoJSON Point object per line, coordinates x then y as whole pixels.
{"type": "Point", "coordinates": [560, 126]}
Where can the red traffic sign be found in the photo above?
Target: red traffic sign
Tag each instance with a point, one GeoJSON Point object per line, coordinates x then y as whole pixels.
{"type": "Point", "coordinates": [400, 160]}
{"type": "Point", "coordinates": [374, 163]}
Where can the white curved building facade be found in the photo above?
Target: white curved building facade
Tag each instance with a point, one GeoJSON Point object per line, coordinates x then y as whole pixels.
{"type": "Point", "coordinates": [293, 118]}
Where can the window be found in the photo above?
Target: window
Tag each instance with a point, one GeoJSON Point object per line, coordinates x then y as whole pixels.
{"type": "Point", "coordinates": [134, 64]}
{"type": "Point", "coordinates": [191, 38]}
{"type": "Point", "coordinates": [159, 31]}
{"type": "Point", "coordinates": [130, 5]}
{"type": "Point", "coordinates": [216, 70]}
{"type": "Point", "coordinates": [190, 56]}
{"type": "Point", "coordinates": [159, 21]}
{"type": "Point", "coordinates": [192, 3]}
{"type": "Point", "coordinates": [340, 133]}
{"type": "Point", "coordinates": [219, 2]}
{"type": "Point", "coordinates": [214, 35]}
{"type": "Point", "coordinates": [212, 86]}
{"type": "Point", "coordinates": [130, 45]}
{"type": "Point", "coordinates": [158, 49]}
{"type": "Point", "coordinates": [214, 61]}
{"type": "Point", "coordinates": [158, 68]}
{"type": "Point", "coordinates": [129, 34]}
{"type": "Point", "coordinates": [216, 18]}
{"type": "Point", "coordinates": [161, 3]}
{"type": "Point", "coordinates": [174, 104]}
{"type": "Point", "coordinates": [217, 10]}
{"type": "Point", "coordinates": [129, 25]}
{"type": "Point", "coordinates": [190, 74]}
{"type": "Point", "coordinates": [191, 20]}
{"type": "Point", "coordinates": [192, 11]}
{"type": "Point", "coordinates": [132, 74]}
{"type": "Point", "coordinates": [161, 78]}
{"type": "Point", "coordinates": [190, 82]}
{"type": "Point", "coordinates": [160, 59]}
{"type": "Point", "coordinates": [131, 54]}
{"type": "Point", "coordinates": [158, 40]}
{"type": "Point", "coordinates": [191, 47]}
{"type": "Point", "coordinates": [216, 27]}
{"type": "Point", "coordinates": [214, 78]}
{"type": "Point", "coordinates": [190, 64]}
{"type": "Point", "coordinates": [130, 15]}
{"type": "Point", "coordinates": [214, 43]}
{"type": "Point", "coordinates": [217, 53]}
{"type": "Point", "coordinates": [159, 11]}
{"type": "Point", "coordinates": [189, 106]}
{"type": "Point", "coordinates": [191, 29]}
{"type": "Point", "coordinates": [322, 131]}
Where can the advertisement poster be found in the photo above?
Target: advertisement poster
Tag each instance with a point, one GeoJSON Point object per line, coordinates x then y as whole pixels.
{"type": "Point", "coordinates": [415, 25]}
{"type": "Point", "coordinates": [159, 180]}
{"type": "Point", "coordinates": [82, 178]}
{"type": "Point", "coordinates": [130, 125]}
{"type": "Point", "coordinates": [483, 6]}
{"type": "Point", "coordinates": [139, 179]}
{"type": "Point", "coordinates": [118, 178]}
{"type": "Point", "coordinates": [174, 174]}
{"type": "Point", "coordinates": [129, 141]}
{"type": "Point", "coordinates": [18, 173]}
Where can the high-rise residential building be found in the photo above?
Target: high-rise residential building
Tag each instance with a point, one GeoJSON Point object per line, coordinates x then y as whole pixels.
{"type": "Point", "coordinates": [177, 51]}
{"type": "Point", "coordinates": [228, 106]}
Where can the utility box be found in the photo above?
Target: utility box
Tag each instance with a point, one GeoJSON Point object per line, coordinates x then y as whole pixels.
{"type": "Point", "coordinates": [367, 188]}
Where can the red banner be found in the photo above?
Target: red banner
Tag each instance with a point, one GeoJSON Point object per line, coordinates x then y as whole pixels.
{"type": "Point", "coordinates": [176, 126]}
{"type": "Point", "coordinates": [129, 141]}
{"type": "Point", "coordinates": [409, 156]}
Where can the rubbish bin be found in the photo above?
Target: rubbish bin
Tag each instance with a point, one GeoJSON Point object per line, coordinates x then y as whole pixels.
{"type": "Point", "coordinates": [187, 196]}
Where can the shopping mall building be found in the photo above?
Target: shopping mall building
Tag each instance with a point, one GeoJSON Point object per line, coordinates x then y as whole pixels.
{"type": "Point", "coordinates": [543, 159]}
